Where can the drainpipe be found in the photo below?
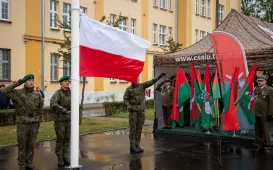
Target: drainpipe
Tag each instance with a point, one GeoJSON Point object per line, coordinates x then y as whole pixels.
{"type": "Point", "coordinates": [176, 21]}
{"type": "Point", "coordinates": [217, 14]}
{"type": "Point", "coordinates": [43, 45]}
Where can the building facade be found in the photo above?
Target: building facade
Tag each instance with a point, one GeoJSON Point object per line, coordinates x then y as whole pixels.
{"type": "Point", "coordinates": [187, 21]}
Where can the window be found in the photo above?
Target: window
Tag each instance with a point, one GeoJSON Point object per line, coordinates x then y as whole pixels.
{"type": "Point", "coordinates": [162, 35]}
{"type": "Point", "coordinates": [154, 33]}
{"type": "Point", "coordinates": [66, 68]}
{"type": "Point", "coordinates": [4, 9]}
{"type": "Point", "coordinates": [112, 80]}
{"type": "Point", "coordinates": [163, 4]}
{"type": "Point", "coordinates": [202, 7]}
{"type": "Point", "coordinates": [4, 64]}
{"type": "Point", "coordinates": [66, 14]}
{"type": "Point", "coordinates": [221, 13]}
{"type": "Point", "coordinates": [123, 24]}
{"type": "Point", "coordinates": [83, 10]}
{"type": "Point", "coordinates": [133, 26]}
{"type": "Point", "coordinates": [170, 33]}
{"type": "Point", "coordinates": [208, 9]}
{"type": "Point", "coordinates": [154, 2]}
{"type": "Point", "coordinates": [123, 81]}
{"type": "Point", "coordinates": [112, 19]}
{"type": "Point", "coordinates": [170, 6]}
{"type": "Point", "coordinates": [53, 13]}
{"type": "Point", "coordinates": [196, 6]}
{"type": "Point", "coordinates": [202, 34]}
{"type": "Point", "coordinates": [196, 35]}
{"type": "Point", "coordinates": [54, 68]}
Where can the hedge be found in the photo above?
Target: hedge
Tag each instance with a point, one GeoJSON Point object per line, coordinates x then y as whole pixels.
{"type": "Point", "coordinates": [7, 117]}
{"type": "Point", "coordinates": [113, 107]}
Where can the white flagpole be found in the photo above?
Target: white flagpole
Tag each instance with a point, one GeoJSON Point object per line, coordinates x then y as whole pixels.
{"type": "Point", "coordinates": [75, 41]}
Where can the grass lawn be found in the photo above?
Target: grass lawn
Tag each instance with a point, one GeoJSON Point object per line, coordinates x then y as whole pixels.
{"type": "Point", "coordinates": [46, 130]}
{"type": "Point", "coordinates": [149, 114]}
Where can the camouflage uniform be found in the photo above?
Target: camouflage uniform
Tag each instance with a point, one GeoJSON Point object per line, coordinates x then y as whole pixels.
{"type": "Point", "coordinates": [134, 98]}
{"type": "Point", "coordinates": [166, 101]}
{"type": "Point", "coordinates": [264, 108]}
{"type": "Point", "coordinates": [28, 107]}
{"type": "Point", "coordinates": [60, 103]}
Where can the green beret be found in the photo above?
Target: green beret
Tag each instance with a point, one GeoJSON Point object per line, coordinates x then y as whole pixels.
{"type": "Point", "coordinates": [262, 78]}
{"type": "Point", "coordinates": [28, 77]}
{"type": "Point", "coordinates": [168, 80]}
{"type": "Point", "coordinates": [64, 78]}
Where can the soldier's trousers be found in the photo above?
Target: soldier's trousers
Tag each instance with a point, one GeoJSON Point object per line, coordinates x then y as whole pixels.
{"type": "Point", "coordinates": [63, 130]}
{"type": "Point", "coordinates": [26, 138]}
{"type": "Point", "coordinates": [136, 122]}
{"type": "Point", "coordinates": [262, 130]}
{"type": "Point", "coordinates": [166, 115]}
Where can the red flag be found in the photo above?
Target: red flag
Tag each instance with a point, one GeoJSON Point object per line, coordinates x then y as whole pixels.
{"type": "Point", "coordinates": [229, 118]}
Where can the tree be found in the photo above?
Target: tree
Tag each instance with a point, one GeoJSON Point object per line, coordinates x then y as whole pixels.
{"type": "Point", "coordinates": [248, 8]}
{"type": "Point", "coordinates": [265, 9]}
{"type": "Point", "coordinates": [171, 46]}
{"type": "Point", "coordinates": [64, 51]}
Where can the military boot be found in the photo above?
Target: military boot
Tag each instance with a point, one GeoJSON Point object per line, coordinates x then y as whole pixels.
{"type": "Point", "coordinates": [66, 161]}
{"type": "Point", "coordinates": [60, 162]}
{"type": "Point", "coordinates": [22, 168]}
{"type": "Point", "coordinates": [139, 148]}
{"type": "Point", "coordinates": [30, 167]}
{"type": "Point", "coordinates": [134, 150]}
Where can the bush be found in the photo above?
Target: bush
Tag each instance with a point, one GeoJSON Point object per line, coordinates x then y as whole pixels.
{"type": "Point", "coordinates": [8, 117]}
{"type": "Point", "coordinates": [115, 107]}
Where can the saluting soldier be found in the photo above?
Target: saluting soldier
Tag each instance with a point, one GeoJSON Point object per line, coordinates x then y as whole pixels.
{"type": "Point", "coordinates": [166, 101]}
{"type": "Point", "coordinates": [28, 107]}
{"type": "Point", "coordinates": [60, 103]}
{"type": "Point", "coordinates": [264, 113]}
{"type": "Point", "coordinates": [134, 98]}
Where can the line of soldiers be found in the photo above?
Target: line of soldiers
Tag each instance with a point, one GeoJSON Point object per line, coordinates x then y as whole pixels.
{"type": "Point", "coordinates": [29, 107]}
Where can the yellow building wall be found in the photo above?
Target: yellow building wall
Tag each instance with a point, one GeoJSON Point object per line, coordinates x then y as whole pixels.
{"type": "Point", "coordinates": [33, 48]}
{"type": "Point", "coordinates": [12, 38]}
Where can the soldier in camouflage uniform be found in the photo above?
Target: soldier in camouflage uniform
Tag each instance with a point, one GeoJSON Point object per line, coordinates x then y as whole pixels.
{"type": "Point", "coordinates": [28, 107]}
{"type": "Point", "coordinates": [166, 101]}
{"type": "Point", "coordinates": [263, 114]}
{"type": "Point", "coordinates": [134, 98]}
{"type": "Point", "coordinates": [60, 103]}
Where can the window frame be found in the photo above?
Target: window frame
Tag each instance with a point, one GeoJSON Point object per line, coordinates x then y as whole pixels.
{"type": "Point", "coordinates": [112, 80]}
{"type": "Point", "coordinates": [203, 34]}
{"type": "Point", "coordinates": [196, 7]}
{"type": "Point", "coordinates": [155, 4]}
{"type": "Point", "coordinates": [121, 24]}
{"type": "Point", "coordinates": [202, 8]}
{"type": "Point", "coordinates": [1, 18]}
{"type": "Point", "coordinates": [170, 32]}
{"type": "Point", "coordinates": [162, 4]}
{"type": "Point", "coordinates": [52, 65]}
{"type": "Point", "coordinates": [133, 26]}
{"type": "Point", "coordinates": [196, 35]}
{"type": "Point", "coordinates": [54, 18]}
{"type": "Point", "coordinates": [209, 9]}
{"type": "Point", "coordinates": [66, 65]}
{"type": "Point", "coordinates": [170, 5]}
{"type": "Point", "coordinates": [162, 34]}
{"type": "Point", "coordinates": [67, 15]}
{"type": "Point", "coordinates": [154, 33]}
{"type": "Point", "coordinates": [9, 64]}
{"type": "Point", "coordinates": [221, 12]}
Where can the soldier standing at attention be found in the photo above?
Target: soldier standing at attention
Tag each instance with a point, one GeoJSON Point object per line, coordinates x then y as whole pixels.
{"type": "Point", "coordinates": [263, 113]}
{"type": "Point", "coordinates": [134, 98]}
{"type": "Point", "coordinates": [166, 101]}
{"type": "Point", "coordinates": [28, 107]}
{"type": "Point", "coordinates": [60, 103]}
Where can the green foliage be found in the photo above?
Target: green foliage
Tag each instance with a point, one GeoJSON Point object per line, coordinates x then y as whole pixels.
{"type": "Point", "coordinates": [120, 107]}
{"type": "Point", "coordinates": [171, 46]}
{"type": "Point", "coordinates": [8, 117]}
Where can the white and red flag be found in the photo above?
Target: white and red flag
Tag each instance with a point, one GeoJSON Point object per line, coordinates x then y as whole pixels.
{"type": "Point", "coordinates": [109, 52]}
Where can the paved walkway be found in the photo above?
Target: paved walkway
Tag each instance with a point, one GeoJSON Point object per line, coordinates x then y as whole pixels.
{"type": "Point", "coordinates": [110, 151]}
{"type": "Point", "coordinates": [147, 122]}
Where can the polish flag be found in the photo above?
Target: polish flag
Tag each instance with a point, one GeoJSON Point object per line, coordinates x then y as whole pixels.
{"type": "Point", "coordinates": [109, 52]}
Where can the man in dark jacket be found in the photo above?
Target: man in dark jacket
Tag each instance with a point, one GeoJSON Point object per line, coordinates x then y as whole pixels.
{"type": "Point", "coordinates": [29, 107]}
{"type": "Point", "coordinates": [60, 103]}
{"type": "Point", "coordinates": [4, 100]}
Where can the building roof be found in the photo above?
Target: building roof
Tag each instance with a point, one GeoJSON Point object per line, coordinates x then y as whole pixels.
{"type": "Point", "coordinates": [256, 37]}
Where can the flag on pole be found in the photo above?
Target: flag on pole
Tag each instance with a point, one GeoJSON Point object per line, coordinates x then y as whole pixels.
{"type": "Point", "coordinates": [229, 54]}
{"type": "Point", "coordinates": [216, 87]}
{"type": "Point", "coordinates": [229, 118]}
{"type": "Point", "coordinates": [109, 52]}
{"type": "Point", "coordinates": [206, 111]}
{"type": "Point", "coordinates": [181, 95]}
{"type": "Point", "coordinates": [246, 98]}
{"type": "Point", "coordinates": [196, 95]}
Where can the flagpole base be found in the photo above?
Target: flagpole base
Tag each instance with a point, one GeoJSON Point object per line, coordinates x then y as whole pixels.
{"type": "Point", "coordinates": [74, 168]}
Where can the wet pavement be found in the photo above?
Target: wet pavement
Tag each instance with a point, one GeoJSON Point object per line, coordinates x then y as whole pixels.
{"type": "Point", "coordinates": [109, 151]}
